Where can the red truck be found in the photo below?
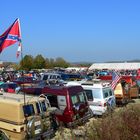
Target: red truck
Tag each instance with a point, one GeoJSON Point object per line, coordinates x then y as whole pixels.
{"type": "Point", "coordinates": [70, 101]}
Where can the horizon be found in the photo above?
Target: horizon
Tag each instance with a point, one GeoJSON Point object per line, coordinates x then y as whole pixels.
{"type": "Point", "coordinates": [89, 62]}
{"type": "Point", "coordinates": [76, 30]}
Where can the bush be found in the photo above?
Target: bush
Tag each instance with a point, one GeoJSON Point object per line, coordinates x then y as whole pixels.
{"type": "Point", "coordinates": [121, 125]}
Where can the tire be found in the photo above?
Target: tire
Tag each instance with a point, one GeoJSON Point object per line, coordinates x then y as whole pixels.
{"type": "Point", "coordinates": [34, 127]}
{"type": "Point", "coordinates": [91, 113]}
{"type": "Point", "coordinates": [3, 136]}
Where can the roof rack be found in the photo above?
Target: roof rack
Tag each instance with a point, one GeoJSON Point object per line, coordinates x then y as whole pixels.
{"type": "Point", "coordinates": [88, 83]}
{"type": "Point", "coordinates": [13, 98]}
{"type": "Point", "coordinates": [96, 82]}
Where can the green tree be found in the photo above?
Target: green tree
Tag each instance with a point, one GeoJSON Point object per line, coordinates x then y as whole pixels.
{"type": "Point", "coordinates": [39, 62]}
{"type": "Point", "coordinates": [47, 62]}
{"type": "Point", "coordinates": [60, 62]}
{"type": "Point", "coordinates": [51, 63]}
{"type": "Point", "coordinates": [15, 66]}
{"type": "Point", "coordinates": [27, 62]}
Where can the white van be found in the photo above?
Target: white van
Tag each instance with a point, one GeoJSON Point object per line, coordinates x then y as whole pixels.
{"type": "Point", "coordinates": [100, 96]}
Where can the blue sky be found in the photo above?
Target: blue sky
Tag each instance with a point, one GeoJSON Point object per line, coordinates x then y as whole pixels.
{"type": "Point", "coordinates": [76, 30]}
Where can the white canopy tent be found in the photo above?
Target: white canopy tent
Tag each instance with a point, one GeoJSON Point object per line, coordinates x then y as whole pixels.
{"type": "Point", "coordinates": [116, 66]}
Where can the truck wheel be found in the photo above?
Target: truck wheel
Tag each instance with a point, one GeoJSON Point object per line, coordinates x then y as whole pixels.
{"type": "Point", "coordinates": [3, 136]}
{"type": "Point", "coordinates": [34, 126]}
{"type": "Point", "coordinates": [91, 113]}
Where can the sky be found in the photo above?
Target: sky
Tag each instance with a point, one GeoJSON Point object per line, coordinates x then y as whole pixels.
{"type": "Point", "coordinates": [76, 30]}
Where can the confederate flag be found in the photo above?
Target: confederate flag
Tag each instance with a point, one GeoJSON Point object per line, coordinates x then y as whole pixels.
{"type": "Point", "coordinates": [10, 36]}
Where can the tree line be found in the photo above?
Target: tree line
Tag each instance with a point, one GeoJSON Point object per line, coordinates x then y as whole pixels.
{"type": "Point", "coordinates": [39, 62]}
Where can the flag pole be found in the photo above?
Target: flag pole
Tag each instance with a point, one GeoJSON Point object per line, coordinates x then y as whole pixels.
{"type": "Point", "coordinates": [22, 74]}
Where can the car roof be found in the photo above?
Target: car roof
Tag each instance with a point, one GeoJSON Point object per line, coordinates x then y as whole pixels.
{"type": "Point", "coordinates": [9, 83]}
{"type": "Point", "coordinates": [51, 74]}
{"type": "Point", "coordinates": [62, 90]}
{"type": "Point", "coordinates": [91, 84]}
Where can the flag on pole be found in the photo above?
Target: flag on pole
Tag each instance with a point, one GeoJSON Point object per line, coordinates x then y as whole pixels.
{"type": "Point", "coordinates": [115, 79]}
{"type": "Point", "coordinates": [18, 50]}
{"type": "Point", "coordinates": [10, 36]}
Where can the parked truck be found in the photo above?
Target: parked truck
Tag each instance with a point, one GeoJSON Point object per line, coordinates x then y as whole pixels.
{"type": "Point", "coordinates": [25, 117]}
